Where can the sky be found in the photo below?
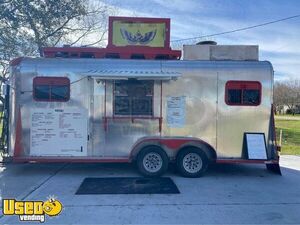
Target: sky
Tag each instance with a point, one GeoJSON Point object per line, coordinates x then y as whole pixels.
{"type": "Point", "coordinates": [278, 43]}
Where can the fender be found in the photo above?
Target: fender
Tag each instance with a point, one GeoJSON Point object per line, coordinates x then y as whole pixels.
{"type": "Point", "coordinates": [172, 145]}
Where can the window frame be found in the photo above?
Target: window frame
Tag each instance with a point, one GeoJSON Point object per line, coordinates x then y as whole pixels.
{"type": "Point", "coordinates": [132, 116]}
{"type": "Point", "coordinates": [242, 85]}
{"type": "Point", "coordinates": [51, 81]}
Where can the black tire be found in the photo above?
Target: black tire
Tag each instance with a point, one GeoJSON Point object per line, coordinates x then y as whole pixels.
{"type": "Point", "coordinates": [152, 161]}
{"type": "Point", "coordinates": [195, 168]}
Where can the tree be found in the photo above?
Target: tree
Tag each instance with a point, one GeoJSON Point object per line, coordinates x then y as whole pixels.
{"type": "Point", "coordinates": [287, 93]}
{"type": "Point", "coordinates": [27, 26]}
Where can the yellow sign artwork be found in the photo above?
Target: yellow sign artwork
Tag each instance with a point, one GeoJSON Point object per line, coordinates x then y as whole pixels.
{"type": "Point", "coordinates": [138, 34]}
{"type": "Point", "coordinates": [32, 210]}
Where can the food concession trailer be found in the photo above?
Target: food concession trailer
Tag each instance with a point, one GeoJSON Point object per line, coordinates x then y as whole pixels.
{"type": "Point", "coordinates": [135, 101]}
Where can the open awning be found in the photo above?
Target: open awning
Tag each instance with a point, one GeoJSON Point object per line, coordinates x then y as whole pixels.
{"type": "Point", "coordinates": [135, 74]}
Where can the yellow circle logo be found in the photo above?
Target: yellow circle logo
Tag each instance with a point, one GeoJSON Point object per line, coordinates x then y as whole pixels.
{"type": "Point", "coordinates": [52, 207]}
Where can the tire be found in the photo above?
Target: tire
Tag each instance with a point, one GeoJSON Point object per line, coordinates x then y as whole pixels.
{"type": "Point", "coordinates": [152, 161]}
{"type": "Point", "coordinates": [192, 162]}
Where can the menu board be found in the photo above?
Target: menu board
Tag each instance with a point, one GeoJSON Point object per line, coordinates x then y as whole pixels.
{"type": "Point", "coordinates": [60, 132]}
{"type": "Point", "coordinates": [256, 146]}
{"type": "Point", "coordinates": [176, 111]}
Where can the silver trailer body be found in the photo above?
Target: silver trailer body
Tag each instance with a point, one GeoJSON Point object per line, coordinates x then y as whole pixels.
{"type": "Point", "coordinates": [199, 87]}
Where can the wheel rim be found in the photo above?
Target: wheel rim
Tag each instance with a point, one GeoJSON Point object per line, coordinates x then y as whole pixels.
{"type": "Point", "coordinates": [152, 162]}
{"type": "Point", "coordinates": [192, 163]}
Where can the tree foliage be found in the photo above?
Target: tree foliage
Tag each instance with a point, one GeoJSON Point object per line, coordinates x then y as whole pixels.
{"type": "Point", "coordinates": [287, 93]}
{"type": "Point", "coordinates": [26, 26]}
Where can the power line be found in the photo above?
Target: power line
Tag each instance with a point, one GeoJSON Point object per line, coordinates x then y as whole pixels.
{"type": "Point", "coordinates": [237, 30]}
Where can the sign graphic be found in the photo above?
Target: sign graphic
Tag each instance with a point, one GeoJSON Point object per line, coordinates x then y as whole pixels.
{"type": "Point", "coordinates": [138, 34]}
{"type": "Point", "coordinates": [138, 38]}
{"type": "Point", "coordinates": [58, 132]}
{"type": "Point", "coordinates": [256, 146]}
{"type": "Point", "coordinates": [176, 111]}
{"type": "Point", "coordinates": [32, 210]}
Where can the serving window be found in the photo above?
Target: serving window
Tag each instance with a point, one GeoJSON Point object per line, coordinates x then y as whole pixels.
{"type": "Point", "coordinates": [133, 97]}
{"type": "Point", "coordinates": [56, 89]}
{"type": "Point", "coordinates": [243, 93]}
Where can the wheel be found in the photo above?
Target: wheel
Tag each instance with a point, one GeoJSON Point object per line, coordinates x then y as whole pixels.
{"type": "Point", "coordinates": [152, 161]}
{"type": "Point", "coordinates": [192, 162]}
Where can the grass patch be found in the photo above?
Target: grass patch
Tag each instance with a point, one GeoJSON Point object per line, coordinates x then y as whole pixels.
{"type": "Point", "coordinates": [290, 150]}
{"type": "Point", "coordinates": [288, 115]}
{"type": "Point", "coordinates": [290, 135]}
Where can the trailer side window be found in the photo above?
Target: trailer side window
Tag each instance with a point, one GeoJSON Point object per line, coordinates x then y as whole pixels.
{"type": "Point", "coordinates": [51, 89]}
{"type": "Point", "coordinates": [133, 97]}
{"type": "Point", "coordinates": [247, 93]}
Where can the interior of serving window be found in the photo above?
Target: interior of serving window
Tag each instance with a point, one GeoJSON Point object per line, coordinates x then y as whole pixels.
{"type": "Point", "coordinates": [133, 97]}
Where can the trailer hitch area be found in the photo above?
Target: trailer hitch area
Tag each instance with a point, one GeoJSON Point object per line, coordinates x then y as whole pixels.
{"type": "Point", "coordinates": [274, 167]}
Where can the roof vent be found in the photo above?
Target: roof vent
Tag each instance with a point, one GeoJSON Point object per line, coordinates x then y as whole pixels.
{"type": "Point", "coordinates": [209, 51]}
{"type": "Point", "coordinates": [207, 43]}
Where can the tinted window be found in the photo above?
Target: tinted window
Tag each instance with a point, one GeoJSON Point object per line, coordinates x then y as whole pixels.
{"type": "Point", "coordinates": [251, 97]}
{"type": "Point", "coordinates": [59, 93]}
{"type": "Point", "coordinates": [51, 89]}
{"type": "Point", "coordinates": [133, 97]}
{"type": "Point", "coordinates": [246, 93]}
{"type": "Point", "coordinates": [42, 92]}
{"type": "Point", "coordinates": [234, 96]}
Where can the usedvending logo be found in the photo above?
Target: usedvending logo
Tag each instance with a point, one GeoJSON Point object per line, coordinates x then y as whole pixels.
{"type": "Point", "coordinates": [32, 210]}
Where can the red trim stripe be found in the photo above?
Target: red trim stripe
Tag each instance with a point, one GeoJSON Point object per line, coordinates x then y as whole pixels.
{"type": "Point", "coordinates": [58, 159]}
{"type": "Point", "coordinates": [246, 161]}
